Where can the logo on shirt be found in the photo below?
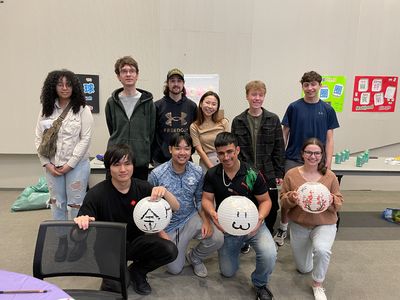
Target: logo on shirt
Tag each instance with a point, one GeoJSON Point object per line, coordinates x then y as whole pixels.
{"type": "Point", "coordinates": [171, 119]}
{"type": "Point", "coordinates": [191, 181]}
{"type": "Point", "coordinates": [133, 202]}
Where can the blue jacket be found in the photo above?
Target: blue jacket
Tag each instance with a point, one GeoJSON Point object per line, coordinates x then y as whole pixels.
{"type": "Point", "coordinates": [187, 187]}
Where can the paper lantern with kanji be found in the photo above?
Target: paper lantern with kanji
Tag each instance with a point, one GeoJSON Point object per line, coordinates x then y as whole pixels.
{"type": "Point", "coordinates": [152, 216]}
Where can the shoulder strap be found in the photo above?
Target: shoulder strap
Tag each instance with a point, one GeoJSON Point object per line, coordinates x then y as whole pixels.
{"type": "Point", "coordinates": [59, 120]}
{"type": "Point", "coordinates": [65, 111]}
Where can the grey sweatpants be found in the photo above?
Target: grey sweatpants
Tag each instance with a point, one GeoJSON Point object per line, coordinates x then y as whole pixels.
{"type": "Point", "coordinates": [182, 237]}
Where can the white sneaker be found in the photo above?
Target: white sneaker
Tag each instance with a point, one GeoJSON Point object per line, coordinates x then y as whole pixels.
{"type": "Point", "coordinates": [319, 293]}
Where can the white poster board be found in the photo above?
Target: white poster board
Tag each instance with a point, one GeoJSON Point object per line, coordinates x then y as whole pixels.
{"type": "Point", "coordinates": [197, 84]}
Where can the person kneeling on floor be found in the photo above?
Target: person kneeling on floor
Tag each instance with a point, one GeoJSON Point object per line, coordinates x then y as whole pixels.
{"type": "Point", "coordinates": [234, 177]}
{"type": "Point", "coordinates": [184, 179]}
{"type": "Point", "coordinates": [113, 200]}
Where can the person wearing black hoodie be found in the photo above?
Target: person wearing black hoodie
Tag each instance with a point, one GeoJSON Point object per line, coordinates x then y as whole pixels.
{"type": "Point", "coordinates": [175, 112]}
{"type": "Point", "coordinates": [131, 115]}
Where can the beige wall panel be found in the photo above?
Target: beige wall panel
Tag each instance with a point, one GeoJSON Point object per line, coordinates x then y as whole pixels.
{"type": "Point", "coordinates": [274, 41]}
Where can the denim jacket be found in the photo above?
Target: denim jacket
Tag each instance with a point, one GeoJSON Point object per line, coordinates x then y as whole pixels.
{"type": "Point", "coordinates": [73, 137]}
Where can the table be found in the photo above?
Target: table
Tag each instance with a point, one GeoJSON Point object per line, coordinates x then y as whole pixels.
{"type": "Point", "coordinates": [374, 167]}
{"type": "Point", "coordinates": [17, 281]}
{"type": "Point", "coordinates": [97, 166]}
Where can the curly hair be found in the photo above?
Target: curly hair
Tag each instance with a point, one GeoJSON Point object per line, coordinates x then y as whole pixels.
{"type": "Point", "coordinates": [49, 92]}
{"type": "Point", "coordinates": [310, 77]}
{"type": "Point", "coordinates": [215, 116]}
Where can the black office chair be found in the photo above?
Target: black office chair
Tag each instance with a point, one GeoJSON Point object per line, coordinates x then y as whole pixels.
{"type": "Point", "coordinates": [101, 253]}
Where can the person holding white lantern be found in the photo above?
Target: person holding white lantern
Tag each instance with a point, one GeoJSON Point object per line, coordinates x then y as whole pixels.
{"type": "Point", "coordinates": [312, 232]}
{"type": "Point", "coordinates": [113, 200]}
{"type": "Point", "coordinates": [185, 180]}
{"type": "Point", "coordinates": [232, 177]}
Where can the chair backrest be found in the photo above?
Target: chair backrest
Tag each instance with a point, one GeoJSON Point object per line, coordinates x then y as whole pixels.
{"type": "Point", "coordinates": [104, 254]}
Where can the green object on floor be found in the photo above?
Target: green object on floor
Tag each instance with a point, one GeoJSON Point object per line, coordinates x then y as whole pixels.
{"type": "Point", "coordinates": [392, 215]}
{"type": "Point", "coordinates": [32, 197]}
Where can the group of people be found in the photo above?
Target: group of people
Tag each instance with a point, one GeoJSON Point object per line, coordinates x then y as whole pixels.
{"type": "Point", "coordinates": [259, 154]}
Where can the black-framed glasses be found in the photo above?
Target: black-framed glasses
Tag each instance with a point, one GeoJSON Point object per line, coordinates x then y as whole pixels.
{"type": "Point", "coordinates": [310, 153]}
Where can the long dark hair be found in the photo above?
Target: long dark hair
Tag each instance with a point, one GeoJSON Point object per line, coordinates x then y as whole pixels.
{"type": "Point", "coordinates": [49, 91]}
{"type": "Point", "coordinates": [317, 142]}
{"type": "Point", "coordinates": [215, 116]}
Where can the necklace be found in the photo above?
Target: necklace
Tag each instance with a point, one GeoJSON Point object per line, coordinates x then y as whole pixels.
{"type": "Point", "coordinates": [223, 178]}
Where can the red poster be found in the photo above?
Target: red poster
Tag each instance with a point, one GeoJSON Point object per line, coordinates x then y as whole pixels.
{"type": "Point", "coordinates": [374, 93]}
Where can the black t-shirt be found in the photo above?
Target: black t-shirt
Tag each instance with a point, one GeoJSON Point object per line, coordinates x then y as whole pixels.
{"type": "Point", "coordinates": [247, 182]}
{"type": "Point", "coordinates": [106, 203]}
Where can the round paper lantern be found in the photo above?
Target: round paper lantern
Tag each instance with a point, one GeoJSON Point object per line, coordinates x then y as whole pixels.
{"type": "Point", "coordinates": [152, 216]}
{"type": "Point", "coordinates": [237, 215]}
{"type": "Point", "coordinates": [313, 197]}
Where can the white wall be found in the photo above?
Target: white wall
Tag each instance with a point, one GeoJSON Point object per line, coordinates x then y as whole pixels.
{"type": "Point", "coordinates": [241, 40]}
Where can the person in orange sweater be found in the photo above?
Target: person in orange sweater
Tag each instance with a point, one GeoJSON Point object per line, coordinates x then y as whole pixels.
{"type": "Point", "coordinates": [312, 234]}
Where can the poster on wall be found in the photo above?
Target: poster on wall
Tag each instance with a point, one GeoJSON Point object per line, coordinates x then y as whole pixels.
{"type": "Point", "coordinates": [332, 91]}
{"type": "Point", "coordinates": [197, 84]}
{"type": "Point", "coordinates": [90, 86]}
{"type": "Point", "coordinates": [374, 93]}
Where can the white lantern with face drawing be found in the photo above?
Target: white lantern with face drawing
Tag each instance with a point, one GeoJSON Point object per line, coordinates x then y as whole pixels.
{"type": "Point", "coordinates": [152, 216]}
{"type": "Point", "coordinates": [237, 215]}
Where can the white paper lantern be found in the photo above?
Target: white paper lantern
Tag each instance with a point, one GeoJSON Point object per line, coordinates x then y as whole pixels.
{"type": "Point", "coordinates": [152, 216]}
{"type": "Point", "coordinates": [237, 215]}
{"type": "Point", "coordinates": [313, 197]}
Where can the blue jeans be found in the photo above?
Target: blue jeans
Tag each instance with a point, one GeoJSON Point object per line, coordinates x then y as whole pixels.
{"type": "Point", "coordinates": [318, 241]}
{"type": "Point", "coordinates": [68, 189]}
{"type": "Point", "coordinates": [263, 245]}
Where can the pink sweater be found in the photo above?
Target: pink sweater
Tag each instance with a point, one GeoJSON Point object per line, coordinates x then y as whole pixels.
{"type": "Point", "coordinates": [293, 179]}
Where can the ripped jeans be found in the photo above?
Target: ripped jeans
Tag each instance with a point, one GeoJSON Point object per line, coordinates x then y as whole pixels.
{"type": "Point", "coordinates": [68, 190]}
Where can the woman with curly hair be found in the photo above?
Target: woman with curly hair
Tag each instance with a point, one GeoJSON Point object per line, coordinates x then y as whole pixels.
{"type": "Point", "coordinates": [206, 127]}
{"type": "Point", "coordinates": [312, 234]}
{"type": "Point", "coordinates": [67, 172]}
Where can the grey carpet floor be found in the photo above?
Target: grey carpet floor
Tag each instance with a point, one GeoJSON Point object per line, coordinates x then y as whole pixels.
{"type": "Point", "coordinates": [363, 265]}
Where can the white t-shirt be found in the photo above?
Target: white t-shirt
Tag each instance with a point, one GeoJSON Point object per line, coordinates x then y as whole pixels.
{"type": "Point", "coordinates": [129, 102]}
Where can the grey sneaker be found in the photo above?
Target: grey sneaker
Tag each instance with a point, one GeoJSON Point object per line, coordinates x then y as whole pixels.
{"type": "Point", "coordinates": [280, 236]}
{"type": "Point", "coordinates": [199, 269]}
{"type": "Point", "coordinates": [263, 293]}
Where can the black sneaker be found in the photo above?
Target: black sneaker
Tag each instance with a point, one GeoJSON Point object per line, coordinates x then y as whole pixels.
{"type": "Point", "coordinates": [139, 282]}
{"type": "Point", "coordinates": [77, 251]}
{"type": "Point", "coordinates": [245, 249]}
{"type": "Point", "coordinates": [263, 293]}
{"type": "Point", "coordinates": [62, 249]}
{"type": "Point", "coordinates": [110, 285]}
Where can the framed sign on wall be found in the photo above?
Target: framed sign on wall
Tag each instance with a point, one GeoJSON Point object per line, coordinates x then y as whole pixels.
{"type": "Point", "coordinates": [90, 86]}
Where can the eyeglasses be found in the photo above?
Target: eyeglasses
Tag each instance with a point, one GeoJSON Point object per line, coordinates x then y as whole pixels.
{"type": "Point", "coordinates": [128, 71]}
{"type": "Point", "coordinates": [310, 153]}
{"type": "Point", "coordinates": [64, 85]}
